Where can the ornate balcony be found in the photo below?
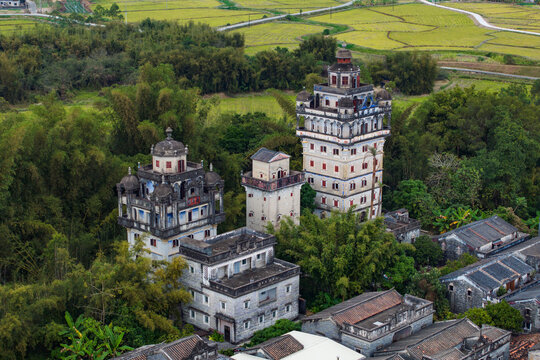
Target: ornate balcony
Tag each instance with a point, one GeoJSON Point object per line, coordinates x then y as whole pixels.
{"type": "Point", "coordinates": [295, 177]}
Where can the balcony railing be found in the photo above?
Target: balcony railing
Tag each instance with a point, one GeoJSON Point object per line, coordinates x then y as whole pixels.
{"type": "Point", "coordinates": [293, 179]}
{"type": "Point", "coordinates": [171, 231]}
{"type": "Point", "coordinates": [223, 288]}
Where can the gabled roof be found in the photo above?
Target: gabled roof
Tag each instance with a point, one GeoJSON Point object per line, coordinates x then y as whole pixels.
{"type": "Point", "coordinates": [443, 340]}
{"type": "Point", "coordinates": [531, 293]}
{"type": "Point", "coordinates": [297, 345]}
{"type": "Point", "coordinates": [368, 305]}
{"type": "Point", "coordinates": [280, 347]}
{"type": "Point", "coordinates": [268, 156]}
{"type": "Point", "coordinates": [180, 349]}
{"type": "Point", "coordinates": [492, 273]}
{"type": "Point", "coordinates": [482, 232]}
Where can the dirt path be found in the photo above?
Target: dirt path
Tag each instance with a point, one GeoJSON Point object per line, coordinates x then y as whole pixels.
{"type": "Point", "coordinates": [479, 20]}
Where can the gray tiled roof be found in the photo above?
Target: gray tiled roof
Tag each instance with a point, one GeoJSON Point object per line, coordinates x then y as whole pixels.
{"type": "Point", "coordinates": [492, 273]}
{"type": "Point", "coordinates": [265, 155]}
{"type": "Point", "coordinates": [180, 349]}
{"type": "Point", "coordinates": [484, 281]}
{"type": "Point", "coordinates": [441, 340]}
{"type": "Point", "coordinates": [481, 232]}
{"type": "Point", "coordinates": [531, 293]}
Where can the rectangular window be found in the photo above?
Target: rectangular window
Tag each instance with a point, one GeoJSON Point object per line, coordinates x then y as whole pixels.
{"type": "Point", "coordinates": [267, 296]}
{"type": "Point", "coordinates": [310, 180]}
{"type": "Point", "coordinates": [206, 299]}
{"type": "Point", "coordinates": [345, 80]}
{"type": "Point", "coordinates": [324, 183]}
{"type": "Point", "coordinates": [258, 256]}
{"type": "Point", "coordinates": [352, 168]}
{"type": "Point", "coordinates": [244, 261]}
{"type": "Point", "coordinates": [263, 218]}
{"type": "Point", "coordinates": [288, 308]}
{"type": "Point", "coordinates": [250, 214]}
{"type": "Point", "coordinates": [334, 79]}
{"type": "Point", "coordinates": [274, 313]}
{"type": "Point", "coordinates": [336, 151]}
{"type": "Point", "coordinates": [353, 151]}
{"type": "Point", "coordinates": [364, 165]}
{"type": "Point", "coordinates": [336, 104]}
{"type": "Point", "coordinates": [157, 163]}
{"type": "Point", "coordinates": [223, 305]}
{"type": "Point", "coordinates": [327, 102]}
{"type": "Point", "coordinates": [246, 304]}
{"type": "Point", "coordinates": [288, 288]}
{"type": "Point", "coordinates": [352, 186]}
{"type": "Point", "coordinates": [323, 200]}
{"type": "Point", "coordinates": [175, 243]}
{"type": "Point", "coordinates": [192, 314]}
{"type": "Point", "coordinates": [311, 146]}
{"type": "Point", "coordinates": [323, 149]}
{"type": "Point", "coordinates": [336, 203]}
{"type": "Point", "coordinates": [153, 242]}
{"type": "Point", "coordinates": [168, 165]}
{"type": "Point", "coordinates": [181, 166]}
{"type": "Point", "coordinates": [336, 168]}
{"type": "Point", "coordinates": [246, 324]}
{"type": "Point", "coordinates": [261, 319]}
{"type": "Point", "coordinates": [206, 319]}
{"type": "Point", "coordinates": [264, 198]}
{"type": "Point", "coordinates": [335, 186]}
{"type": "Point", "coordinates": [191, 269]}
{"type": "Point", "coordinates": [364, 182]}
{"type": "Point", "coordinates": [192, 293]}
{"type": "Point", "coordinates": [311, 163]}
{"type": "Point", "coordinates": [364, 148]}
{"type": "Point", "coordinates": [250, 195]}
{"type": "Point", "coordinates": [206, 233]}
{"type": "Point", "coordinates": [351, 202]}
{"type": "Point", "coordinates": [324, 166]}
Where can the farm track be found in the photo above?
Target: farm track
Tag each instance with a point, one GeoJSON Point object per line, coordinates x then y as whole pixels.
{"type": "Point", "coordinates": [479, 19]}
{"type": "Point", "coordinates": [489, 73]}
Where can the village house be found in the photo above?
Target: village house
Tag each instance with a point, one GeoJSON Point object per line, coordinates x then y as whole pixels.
{"type": "Point", "coordinates": [272, 190]}
{"type": "Point", "coordinates": [527, 301]}
{"type": "Point", "coordinates": [297, 345]}
{"type": "Point", "coordinates": [372, 320]}
{"type": "Point", "coordinates": [12, 4]}
{"type": "Point", "coordinates": [528, 251]}
{"type": "Point", "coordinates": [481, 238]}
{"type": "Point", "coordinates": [189, 348]}
{"type": "Point", "coordinates": [477, 284]}
{"type": "Point", "coordinates": [170, 200]}
{"type": "Point", "coordinates": [237, 285]}
{"type": "Point", "coordinates": [404, 228]}
{"type": "Point", "coordinates": [454, 339]}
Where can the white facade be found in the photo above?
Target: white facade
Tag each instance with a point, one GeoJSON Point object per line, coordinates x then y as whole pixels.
{"type": "Point", "coordinates": [272, 190]}
{"type": "Point", "coordinates": [169, 200]}
{"type": "Point", "coordinates": [343, 137]}
{"type": "Point", "coordinates": [237, 285]}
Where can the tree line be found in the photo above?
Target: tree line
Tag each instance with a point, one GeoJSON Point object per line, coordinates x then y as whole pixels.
{"type": "Point", "coordinates": [72, 57]}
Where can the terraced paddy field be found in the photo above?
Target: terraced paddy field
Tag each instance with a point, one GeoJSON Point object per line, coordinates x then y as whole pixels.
{"type": "Point", "coordinates": [427, 28]}
{"type": "Point", "coordinates": [268, 36]}
{"type": "Point", "coordinates": [505, 15]}
{"type": "Point", "coordinates": [286, 6]}
{"type": "Point", "coordinates": [205, 11]}
{"type": "Point", "coordinates": [11, 24]}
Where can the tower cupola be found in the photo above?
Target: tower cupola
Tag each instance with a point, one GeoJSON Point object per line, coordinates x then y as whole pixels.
{"type": "Point", "coordinates": [169, 156]}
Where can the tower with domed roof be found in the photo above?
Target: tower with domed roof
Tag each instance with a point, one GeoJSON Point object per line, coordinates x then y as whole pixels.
{"type": "Point", "coordinates": [169, 200]}
{"type": "Point", "coordinates": [342, 127]}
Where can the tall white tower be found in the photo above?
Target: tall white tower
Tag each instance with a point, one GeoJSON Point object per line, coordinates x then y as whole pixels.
{"type": "Point", "coordinates": [343, 136]}
{"type": "Point", "coordinates": [272, 190]}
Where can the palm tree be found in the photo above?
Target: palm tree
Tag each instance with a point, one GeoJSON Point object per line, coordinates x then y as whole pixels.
{"type": "Point", "coordinates": [373, 152]}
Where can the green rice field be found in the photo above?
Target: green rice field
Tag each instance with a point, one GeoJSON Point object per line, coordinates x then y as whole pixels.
{"type": "Point", "coordinates": [204, 11]}
{"type": "Point", "coordinates": [409, 27]}
{"type": "Point", "coordinates": [12, 24]}
{"type": "Point", "coordinates": [269, 35]}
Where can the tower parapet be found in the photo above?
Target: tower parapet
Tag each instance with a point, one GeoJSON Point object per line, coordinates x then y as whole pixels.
{"type": "Point", "coordinates": [272, 190]}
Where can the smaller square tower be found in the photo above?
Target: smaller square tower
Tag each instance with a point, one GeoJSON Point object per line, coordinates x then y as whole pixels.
{"type": "Point", "coordinates": [272, 190]}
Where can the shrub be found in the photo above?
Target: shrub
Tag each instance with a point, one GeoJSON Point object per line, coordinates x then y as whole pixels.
{"type": "Point", "coordinates": [281, 327]}
{"type": "Point", "coordinates": [217, 337]}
